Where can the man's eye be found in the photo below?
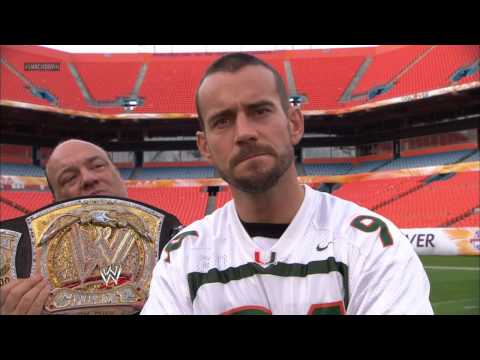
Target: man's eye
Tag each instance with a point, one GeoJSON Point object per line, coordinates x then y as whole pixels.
{"type": "Point", "coordinates": [262, 111]}
{"type": "Point", "coordinates": [220, 122]}
{"type": "Point", "coordinates": [69, 179]}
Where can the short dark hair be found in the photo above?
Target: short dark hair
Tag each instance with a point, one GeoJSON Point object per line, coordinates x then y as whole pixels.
{"type": "Point", "coordinates": [234, 62]}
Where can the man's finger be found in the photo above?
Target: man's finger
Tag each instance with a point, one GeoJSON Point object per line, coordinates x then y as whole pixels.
{"type": "Point", "coordinates": [27, 300]}
{"type": "Point", "coordinates": [39, 303]}
{"type": "Point", "coordinates": [138, 305]}
{"type": "Point", "coordinates": [5, 290]}
{"type": "Point", "coordinates": [14, 294]}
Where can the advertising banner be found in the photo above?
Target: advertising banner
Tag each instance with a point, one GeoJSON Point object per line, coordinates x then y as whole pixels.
{"type": "Point", "coordinates": [444, 241]}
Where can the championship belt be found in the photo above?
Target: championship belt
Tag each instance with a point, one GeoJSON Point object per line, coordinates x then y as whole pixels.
{"type": "Point", "coordinates": [97, 253]}
{"type": "Point", "coordinates": [8, 248]}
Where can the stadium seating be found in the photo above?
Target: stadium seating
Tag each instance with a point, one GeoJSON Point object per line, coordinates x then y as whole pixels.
{"type": "Point", "coordinates": [323, 80]}
{"type": "Point", "coordinates": [174, 173]}
{"type": "Point", "coordinates": [436, 203]}
{"type": "Point", "coordinates": [223, 196]}
{"type": "Point", "coordinates": [385, 165]}
{"type": "Point", "coordinates": [434, 71]}
{"type": "Point", "coordinates": [473, 157]}
{"type": "Point", "coordinates": [21, 170]}
{"type": "Point", "coordinates": [8, 212]}
{"type": "Point", "coordinates": [15, 154]}
{"type": "Point", "coordinates": [368, 166]}
{"type": "Point", "coordinates": [431, 205]}
{"type": "Point", "coordinates": [169, 87]}
{"type": "Point", "coordinates": [427, 160]}
{"type": "Point", "coordinates": [327, 169]}
{"type": "Point", "coordinates": [60, 83]}
{"type": "Point", "coordinates": [371, 193]}
{"type": "Point", "coordinates": [170, 80]}
{"type": "Point", "coordinates": [473, 220]}
{"type": "Point", "coordinates": [407, 201]}
{"type": "Point", "coordinates": [387, 65]}
{"type": "Point", "coordinates": [29, 200]}
{"type": "Point", "coordinates": [125, 173]}
{"type": "Point", "coordinates": [107, 80]}
{"type": "Point", "coordinates": [187, 203]}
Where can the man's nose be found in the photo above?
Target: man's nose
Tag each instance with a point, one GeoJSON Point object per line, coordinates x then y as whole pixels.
{"type": "Point", "coordinates": [89, 177]}
{"type": "Point", "coordinates": [245, 129]}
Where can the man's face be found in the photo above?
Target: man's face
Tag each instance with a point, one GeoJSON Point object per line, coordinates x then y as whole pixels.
{"type": "Point", "coordinates": [78, 168]}
{"type": "Point", "coordinates": [248, 137]}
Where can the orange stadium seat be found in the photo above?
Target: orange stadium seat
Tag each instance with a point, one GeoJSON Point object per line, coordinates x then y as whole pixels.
{"type": "Point", "coordinates": [373, 192]}
{"type": "Point", "coordinates": [187, 203]}
{"type": "Point", "coordinates": [60, 83]}
{"type": "Point", "coordinates": [434, 71]}
{"type": "Point", "coordinates": [223, 197]}
{"type": "Point", "coordinates": [170, 83]}
{"type": "Point", "coordinates": [473, 220]}
{"type": "Point", "coordinates": [107, 80]}
{"type": "Point", "coordinates": [430, 206]}
{"type": "Point", "coordinates": [170, 80]}
{"type": "Point", "coordinates": [8, 212]}
{"type": "Point", "coordinates": [386, 65]}
{"type": "Point", "coordinates": [325, 79]}
{"type": "Point", "coordinates": [30, 200]}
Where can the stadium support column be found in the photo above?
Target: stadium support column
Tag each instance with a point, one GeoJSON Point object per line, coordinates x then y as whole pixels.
{"type": "Point", "coordinates": [396, 149]}
{"type": "Point", "coordinates": [35, 156]}
{"type": "Point", "coordinates": [138, 159]}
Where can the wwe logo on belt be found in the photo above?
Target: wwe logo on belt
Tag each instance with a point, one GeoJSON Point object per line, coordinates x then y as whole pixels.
{"type": "Point", "coordinates": [111, 272]}
{"type": "Point", "coordinates": [107, 248]}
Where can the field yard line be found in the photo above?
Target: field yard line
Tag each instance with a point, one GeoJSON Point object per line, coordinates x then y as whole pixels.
{"type": "Point", "coordinates": [452, 268]}
{"type": "Point", "coordinates": [453, 301]}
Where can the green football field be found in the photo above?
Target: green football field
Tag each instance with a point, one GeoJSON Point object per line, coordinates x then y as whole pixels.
{"type": "Point", "coordinates": [455, 284]}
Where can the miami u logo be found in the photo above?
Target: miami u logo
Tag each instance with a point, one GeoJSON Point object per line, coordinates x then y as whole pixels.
{"type": "Point", "coordinates": [258, 259]}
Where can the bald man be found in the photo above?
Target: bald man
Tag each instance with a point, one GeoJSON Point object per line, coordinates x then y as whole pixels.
{"type": "Point", "coordinates": [79, 168]}
{"type": "Point", "coordinates": [75, 168]}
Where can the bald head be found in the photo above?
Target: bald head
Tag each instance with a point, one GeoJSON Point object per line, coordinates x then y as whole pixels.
{"type": "Point", "coordinates": [80, 168]}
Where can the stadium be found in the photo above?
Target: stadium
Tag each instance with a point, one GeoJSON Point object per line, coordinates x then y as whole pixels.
{"type": "Point", "coordinates": [394, 128]}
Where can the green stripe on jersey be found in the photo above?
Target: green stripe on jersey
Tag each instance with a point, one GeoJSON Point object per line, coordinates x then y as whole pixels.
{"type": "Point", "coordinates": [197, 279]}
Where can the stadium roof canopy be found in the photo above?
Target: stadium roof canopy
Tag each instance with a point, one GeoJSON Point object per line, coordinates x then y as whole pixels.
{"type": "Point", "coordinates": [187, 48]}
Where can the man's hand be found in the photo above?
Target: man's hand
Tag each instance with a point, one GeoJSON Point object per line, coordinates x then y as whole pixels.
{"type": "Point", "coordinates": [138, 305]}
{"type": "Point", "coordinates": [24, 296]}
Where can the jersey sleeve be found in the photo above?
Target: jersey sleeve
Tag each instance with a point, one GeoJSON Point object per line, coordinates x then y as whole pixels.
{"type": "Point", "coordinates": [170, 228]}
{"type": "Point", "coordinates": [385, 274]}
{"type": "Point", "coordinates": [169, 293]}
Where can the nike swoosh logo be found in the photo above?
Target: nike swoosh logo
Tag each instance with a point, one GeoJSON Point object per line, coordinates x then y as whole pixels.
{"type": "Point", "coordinates": [323, 248]}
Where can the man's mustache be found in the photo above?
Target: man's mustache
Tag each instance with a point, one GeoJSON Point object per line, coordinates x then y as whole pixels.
{"type": "Point", "coordinates": [249, 151]}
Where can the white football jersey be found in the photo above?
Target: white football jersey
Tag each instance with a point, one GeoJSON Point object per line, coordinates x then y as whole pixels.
{"type": "Point", "coordinates": [335, 257]}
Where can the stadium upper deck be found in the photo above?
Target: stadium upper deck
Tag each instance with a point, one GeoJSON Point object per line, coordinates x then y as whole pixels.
{"type": "Point", "coordinates": [333, 79]}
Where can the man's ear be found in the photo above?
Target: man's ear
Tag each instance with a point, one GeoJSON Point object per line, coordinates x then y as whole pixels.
{"type": "Point", "coordinates": [296, 124]}
{"type": "Point", "coordinates": [203, 146]}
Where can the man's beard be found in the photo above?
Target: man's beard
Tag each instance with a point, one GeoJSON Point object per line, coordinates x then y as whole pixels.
{"type": "Point", "coordinates": [261, 181]}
